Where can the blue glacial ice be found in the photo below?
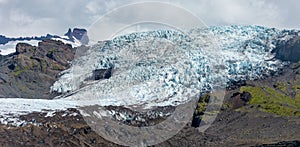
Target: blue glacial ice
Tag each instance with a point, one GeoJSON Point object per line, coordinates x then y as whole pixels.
{"type": "Point", "coordinates": [168, 67]}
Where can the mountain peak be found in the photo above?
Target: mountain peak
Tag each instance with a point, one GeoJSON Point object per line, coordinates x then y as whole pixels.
{"type": "Point", "coordinates": [69, 33]}
{"type": "Point", "coordinates": [79, 34]}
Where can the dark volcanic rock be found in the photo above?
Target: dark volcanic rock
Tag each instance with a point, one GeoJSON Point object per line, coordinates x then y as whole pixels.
{"type": "Point", "coordinates": [282, 144]}
{"type": "Point", "coordinates": [79, 34]}
{"type": "Point", "coordinates": [246, 96]}
{"type": "Point", "coordinates": [289, 50]}
{"type": "Point", "coordinates": [69, 33]}
{"type": "Point", "coordinates": [23, 48]}
{"type": "Point", "coordinates": [31, 71]}
{"type": "Point", "coordinates": [102, 74]}
{"type": "Point", "coordinates": [57, 51]}
{"type": "Point", "coordinates": [3, 39]}
{"type": "Point", "coordinates": [239, 99]}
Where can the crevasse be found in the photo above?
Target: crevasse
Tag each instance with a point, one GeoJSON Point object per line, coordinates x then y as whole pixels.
{"type": "Point", "coordinates": [168, 67]}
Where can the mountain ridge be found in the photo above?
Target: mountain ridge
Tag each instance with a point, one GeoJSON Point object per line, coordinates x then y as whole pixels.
{"type": "Point", "coordinates": [75, 37]}
{"type": "Point", "coordinates": [31, 71]}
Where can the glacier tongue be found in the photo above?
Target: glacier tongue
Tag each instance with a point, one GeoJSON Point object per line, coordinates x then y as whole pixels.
{"type": "Point", "coordinates": [168, 67]}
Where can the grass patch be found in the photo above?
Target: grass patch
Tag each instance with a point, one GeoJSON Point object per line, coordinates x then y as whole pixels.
{"type": "Point", "coordinates": [227, 106]}
{"type": "Point", "coordinates": [296, 88]}
{"type": "Point", "coordinates": [273, 101]}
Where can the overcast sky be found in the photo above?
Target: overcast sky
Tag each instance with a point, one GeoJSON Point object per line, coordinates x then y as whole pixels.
{"type": "Point", "coordinates": [39, 17]}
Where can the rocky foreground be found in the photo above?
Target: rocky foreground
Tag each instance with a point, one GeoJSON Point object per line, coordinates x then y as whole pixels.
{"type": "Point", "coordinates": [239, 123]}
{"type": "Point", "coordinates": [255, 113]}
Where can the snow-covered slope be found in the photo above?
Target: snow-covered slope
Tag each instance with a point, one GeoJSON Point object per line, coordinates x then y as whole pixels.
{"type": "Point", "coordinates": [12, 108]}
{"type": "Point", "coordinates": [167, 67]}
{"type": "Point", "coordinates": [66, 40]}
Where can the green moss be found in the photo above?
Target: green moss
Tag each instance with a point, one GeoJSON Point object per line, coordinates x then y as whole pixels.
{"type": "Point", "coordinates": [32, 49]}
{"type": "Point", "coordinates": [281, 110]}
{"type": "Point", "coordinates": [282, 98]}
{"type": "Point", "coordinates": [23, 88]}
{"type": "Point", "coordinates": [202, 104]}
{"type": "Point", "coordinates": [51, 52]}
{"type": "Point", "coordinates": [273, 101]}
{"type": "Point", "coordinates": [57, 67]}
{"type": "Point", "coordinates": [282, 86]}
{"type": "Point", "coordinates": [296, 89]}
{"type": "Point", "coordinates": [227, 106]}
{"type": "Point", "coordinates": [43, 66]}
{"type": "Point", "coordinates": [33, 64]}
{"type": "Point", "coordinates": [17, 71]}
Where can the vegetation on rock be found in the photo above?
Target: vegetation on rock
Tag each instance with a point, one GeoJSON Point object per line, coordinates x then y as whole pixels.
{"type": "Point", "coordinates": [273, 101]}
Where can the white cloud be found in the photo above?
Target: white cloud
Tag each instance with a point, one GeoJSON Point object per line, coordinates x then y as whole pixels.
{"type": "Point", "coordinates": [3, 1]}
{"type": "Point", "coordinates": [32, 17]}
{"type": "Point", "coordinates": [216, 12]}
{"type": "Point", "coordinates": [20, 18]}
{"type": "Point", "coordinates": [93, 7]}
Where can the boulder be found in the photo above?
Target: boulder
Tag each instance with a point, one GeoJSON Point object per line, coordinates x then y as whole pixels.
{"type": "Point", "coordinates": [102, 74]}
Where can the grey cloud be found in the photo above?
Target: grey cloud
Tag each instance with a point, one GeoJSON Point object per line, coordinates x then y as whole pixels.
{"type": "Point", "coordinates": [35, 17]}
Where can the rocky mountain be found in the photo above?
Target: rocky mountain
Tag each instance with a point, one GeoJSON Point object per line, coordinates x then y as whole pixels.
{"type": "Point", "coordinates": [288, 50]}
{"type": "Point", "coordinates": [75, 37]}
{"type": "Point", "coordinates": [259, 68]}
{"type": "Point", "coordinates": [31, 70]}
{"type": "Point", "coordinates": [76, 33]}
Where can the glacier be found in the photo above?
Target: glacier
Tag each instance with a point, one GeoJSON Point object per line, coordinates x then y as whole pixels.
{"type": "Point", "coordinates": [169, 67]}
{"type": "Point", "coordinates": [159, 68]}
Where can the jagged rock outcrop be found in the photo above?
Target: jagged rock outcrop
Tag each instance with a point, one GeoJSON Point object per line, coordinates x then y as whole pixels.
{"type": "Point", "coordinates": [79, 34]}
{"type": "Point", "coordinates": [102, 74]}
{"type": "Point", "coordinates": [32, 70]}
{"type": "Point", "coordinates": [288, 50]}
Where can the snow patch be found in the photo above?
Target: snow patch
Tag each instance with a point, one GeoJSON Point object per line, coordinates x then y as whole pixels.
{"type": "Point", "coordinates": [76, 42]}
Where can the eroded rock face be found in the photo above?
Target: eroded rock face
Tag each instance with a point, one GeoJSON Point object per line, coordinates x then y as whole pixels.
{"type": "Point", "coordinates": [288, 50]}
{"type": "Point", "coordinates": [32, 70]}
{"type": "Point", "coordinates": [240, 99]}
{"type": "Point", "coordinates": [23, 48]}
{"type": "Point", "coordinates": [79, 34]}
{"type": "Point", "coordinates": [102, 74]}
